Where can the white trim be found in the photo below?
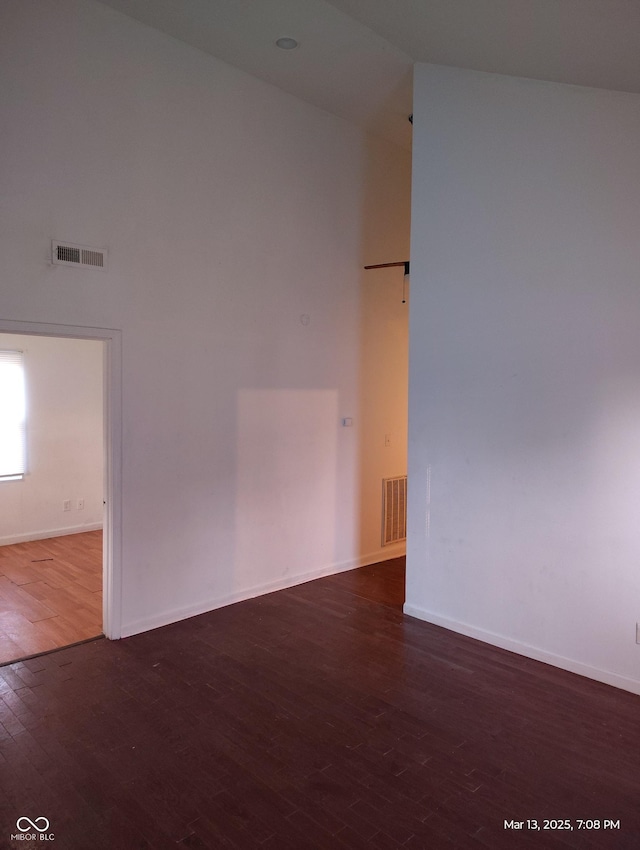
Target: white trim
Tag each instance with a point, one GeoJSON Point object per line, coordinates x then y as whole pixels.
{"type": "Point", "coordinates": [112, 540]}
{"type": "Point", "coordinates": [606, 676]}
{"type": "Point", "coordinates": [205, 606]}
{"type": "Point", "coordinates": [49, 533]}
{"type": "Point", "coordinates": [385, 553]}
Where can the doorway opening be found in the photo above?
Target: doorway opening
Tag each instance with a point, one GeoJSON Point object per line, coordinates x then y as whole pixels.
{"type": "Point", "coordinates": [60, 519]}
{"type": "Point", "coordinates": [383, 407]}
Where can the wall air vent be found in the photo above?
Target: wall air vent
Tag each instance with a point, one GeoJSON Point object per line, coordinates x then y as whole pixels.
{"type": "Point", "coordinates": [394, 509]}
{"type": "Point", "coordinates": [81, 256]}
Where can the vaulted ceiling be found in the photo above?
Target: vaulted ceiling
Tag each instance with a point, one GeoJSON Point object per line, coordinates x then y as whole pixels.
{"type": "Point", "coordinates": [355, 57]}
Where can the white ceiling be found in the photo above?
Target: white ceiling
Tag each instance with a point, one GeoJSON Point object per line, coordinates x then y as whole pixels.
{"type": "Point", "coordinates": [355, 57]}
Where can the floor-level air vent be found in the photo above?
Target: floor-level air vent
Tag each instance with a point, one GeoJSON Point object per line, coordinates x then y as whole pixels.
{"type": "Point", "coordinates": [81, 256]}
{"type": "Point", "coordinates": [394, 509]}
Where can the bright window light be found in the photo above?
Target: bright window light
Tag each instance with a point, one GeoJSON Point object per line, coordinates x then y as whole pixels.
{"type": "Point", "coordinates": [12, 416]}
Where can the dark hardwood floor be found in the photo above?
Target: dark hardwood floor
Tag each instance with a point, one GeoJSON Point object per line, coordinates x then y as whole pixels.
{"type": "Point", "coordinates": [315, 717]}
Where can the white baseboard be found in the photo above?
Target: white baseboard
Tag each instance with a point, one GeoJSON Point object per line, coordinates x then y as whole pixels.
{"type": "Point", "coordinates": [394, 550]}
{"type": "Point", "coordinates": [569, 664]}
{"type": "Point", "coordinates": [203, 607]}
{"type": "Point", "coordinates": [52, 532]}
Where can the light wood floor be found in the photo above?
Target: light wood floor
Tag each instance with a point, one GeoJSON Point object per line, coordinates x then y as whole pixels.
{"type": "Point", "coordinates": [50, 594]}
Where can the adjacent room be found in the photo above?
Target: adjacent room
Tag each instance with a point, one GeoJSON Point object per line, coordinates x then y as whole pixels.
{"type": "Point", "coordinates": [51, 493]}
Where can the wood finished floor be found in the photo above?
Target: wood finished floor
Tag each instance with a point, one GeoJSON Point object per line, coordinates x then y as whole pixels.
{"type": "Point", "coordinates": [315, 717]}
{"type": "Point", "coordinates": [50, 593]}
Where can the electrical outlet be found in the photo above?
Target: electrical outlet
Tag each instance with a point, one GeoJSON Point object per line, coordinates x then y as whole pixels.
{"type": "Point", "coordinates": [387, 440]}
{"type": "Point", "coordinates": [80, 504]}
{"type": "Point", "coordinates": [637, 632]}
{"type": "Point", "coordinates": [66, 505]}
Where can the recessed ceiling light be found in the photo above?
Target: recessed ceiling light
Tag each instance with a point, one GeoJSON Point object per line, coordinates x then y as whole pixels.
{"type": "Point", "coordinates": [286, 43]}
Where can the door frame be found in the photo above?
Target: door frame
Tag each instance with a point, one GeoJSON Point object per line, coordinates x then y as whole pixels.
{"type": "Point", "coordinates": [112, 454]}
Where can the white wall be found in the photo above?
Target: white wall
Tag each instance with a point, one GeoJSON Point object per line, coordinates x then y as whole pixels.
{"type": "Point", "coordinates": [524, 448]}
{"type": "Point", "coordinates": [64, 441]}
{"type": "Point", "coordinates": [230, 209]}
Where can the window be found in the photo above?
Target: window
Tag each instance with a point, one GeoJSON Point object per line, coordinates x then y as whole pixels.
{"type": "Point", "coordinates": [12, 416]}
